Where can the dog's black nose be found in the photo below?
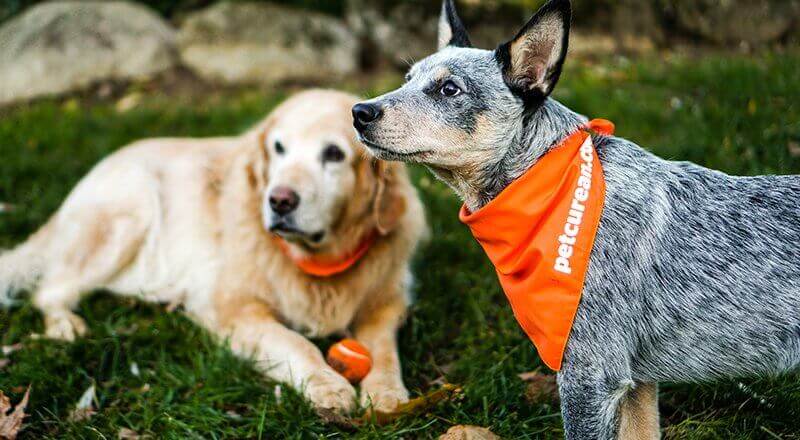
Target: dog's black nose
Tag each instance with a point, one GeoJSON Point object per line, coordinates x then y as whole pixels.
{"type": "Point", "coordinates": [283, 200]}
{"type": "Point", "coordinates": [364, 114]}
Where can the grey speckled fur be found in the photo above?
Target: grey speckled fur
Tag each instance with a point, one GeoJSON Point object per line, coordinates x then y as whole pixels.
{"type": "Point", "coordinates": [694, 275]}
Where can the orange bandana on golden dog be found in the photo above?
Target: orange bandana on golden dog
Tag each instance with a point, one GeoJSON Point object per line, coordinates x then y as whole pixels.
{"type": "Point", "coordinates": [539, 233]}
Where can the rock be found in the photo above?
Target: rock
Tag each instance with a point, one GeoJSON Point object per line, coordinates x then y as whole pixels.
{"type": "Point", "coordinates": [494, 32]}
{"type": "Point", "coordinates": [398, 32]}
{"type": "Point", "coordinates": [404, 32]}
{"type": "Point", "coordinates": [636, 25]}
{"type": "Point", "coordinates": [467, 432]}
{"type": "Point", "coordinates": [6, 11]}
{"type": "Point", "coordinates": [588, 44]}
{"type": "Point", "coordinates": [734, 22]}
{"type": "Point", "coordinates": [249, 42]}
{"type": "Point", "coordinates": [57, 47]}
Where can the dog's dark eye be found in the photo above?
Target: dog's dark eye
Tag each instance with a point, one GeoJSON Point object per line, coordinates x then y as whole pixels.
{"type": "Point", "coordinates": [332, 153]}
{"type": "Point", "coordinates": [450, 89]}
{"type": "Point", "coordinates": [279, 147]}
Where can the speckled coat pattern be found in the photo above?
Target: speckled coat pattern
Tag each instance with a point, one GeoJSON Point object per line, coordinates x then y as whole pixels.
{"type": "Point", "coordinates": [694, 276]}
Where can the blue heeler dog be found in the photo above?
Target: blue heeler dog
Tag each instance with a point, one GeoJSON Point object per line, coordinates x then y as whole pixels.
{"type": "Point", "coordinates": [694, 274]}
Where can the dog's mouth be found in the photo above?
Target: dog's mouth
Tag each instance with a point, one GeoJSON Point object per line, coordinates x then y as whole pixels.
{"type": "Point", "coordinates": [287, 231]}
{"type": "Point", "coordinates": [388, 154]}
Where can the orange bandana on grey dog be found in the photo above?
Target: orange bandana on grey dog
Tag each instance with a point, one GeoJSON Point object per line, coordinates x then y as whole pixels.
{"type": "Point", "coordinates": [539, 233]}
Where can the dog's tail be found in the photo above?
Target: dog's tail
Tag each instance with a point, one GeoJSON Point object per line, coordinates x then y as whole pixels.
{"type": "Point", "coordinates": [22, 266]}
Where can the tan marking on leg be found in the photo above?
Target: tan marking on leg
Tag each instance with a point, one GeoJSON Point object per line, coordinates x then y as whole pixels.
{"type": "Point", "coordinates": [638, 413]}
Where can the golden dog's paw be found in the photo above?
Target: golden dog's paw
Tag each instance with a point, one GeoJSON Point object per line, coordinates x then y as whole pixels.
{"type": "Point", "coordinates": [328, 390]}
{"type": "Point", "coordinates": [382, 395]}
{"type": "Point", "coordinates": [64, 326]}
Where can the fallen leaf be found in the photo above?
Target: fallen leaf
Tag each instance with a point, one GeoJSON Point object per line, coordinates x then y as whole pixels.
{"type": "Point", "coordinates": [135, 369]}
{"type": "Point", "coordinates": [6, 207]}
{"type": "Point", "coordinates": [84, 409]}
{"type": "Point", "coordinates": [752, 107]}
{"type": "Point", "coordinates": [334, 418]}
{"type": "Point", "coordinates": [794, 149]}
{"type": "Point", "coordinates": [414, 406]}
{"type": "Point", "coordinates": [127, 331]}
{"type": "Point", "coordinates": [467, 432]}
{"type": "Point", "coordinates": [4, 363]}
{"type": "Point", "coordinates": [128, 102]}
{"type": "Point", "coordinates": [8, 349]}
{"type": "Point", "coordinates": [175, 304]}
{"type": "Point", "coordinates": [443, 371]}
{"type": "Point", "coordinates": [128, 434]}
{"type": "Point", "coordinates": [540, 387]}
{"type": "Point", "coordinates": [11, 421]}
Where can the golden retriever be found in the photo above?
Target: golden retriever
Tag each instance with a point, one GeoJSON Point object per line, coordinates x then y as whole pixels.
{"type": "Point", "coordinates": [287, 231]}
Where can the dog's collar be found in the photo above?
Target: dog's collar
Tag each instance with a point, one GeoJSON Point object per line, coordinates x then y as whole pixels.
{"type": "Point", "coordinates": [327, 267]}
{"type": "Point", "coordinates": [539, 233]}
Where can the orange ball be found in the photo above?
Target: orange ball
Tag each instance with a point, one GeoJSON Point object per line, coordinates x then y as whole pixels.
{"type": "Point", "coordinates": [351, 359]}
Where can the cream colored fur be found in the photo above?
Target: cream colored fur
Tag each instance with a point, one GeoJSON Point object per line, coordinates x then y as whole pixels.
{"type": "Point", "coordinates": [182, 221]}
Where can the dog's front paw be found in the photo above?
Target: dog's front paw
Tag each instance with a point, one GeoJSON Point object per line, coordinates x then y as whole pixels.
{"type": "Point", "coordinates": [64, 326]}
{"type": "Point", "coordinates": [330, 391]}
{"type": "Point", "coordinates": [382, 394]}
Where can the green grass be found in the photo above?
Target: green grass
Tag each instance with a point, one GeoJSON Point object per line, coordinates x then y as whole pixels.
{"type": "Point", "coordinates": [739, 115]}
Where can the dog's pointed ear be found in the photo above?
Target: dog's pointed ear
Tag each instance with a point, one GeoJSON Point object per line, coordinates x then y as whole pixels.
{"type": "Point", "coordinates": [451, 30]}
{"type": "Point", "coordinates": [531, 62]}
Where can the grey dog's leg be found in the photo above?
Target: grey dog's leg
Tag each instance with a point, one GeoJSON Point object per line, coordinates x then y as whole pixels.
{"type": "Point", "coordinates": [590, 404]}
{"type": "Point", "coordinates": [638, 413]}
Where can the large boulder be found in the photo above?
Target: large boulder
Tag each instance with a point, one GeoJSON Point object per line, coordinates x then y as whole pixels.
{"type": "Point", "coordinates": [404, 32]}
{"type": "Point", "coordinates": [397, 32]}
{"type": "Point", "coordinates": [733, 22]}
{"type": "Point", "coordinates": [249, 42]}
{"type": "Point", "coordinates": [58, 47]}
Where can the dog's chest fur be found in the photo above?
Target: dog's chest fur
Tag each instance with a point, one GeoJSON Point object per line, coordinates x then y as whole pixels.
{"type": "Point", "coordinates": [695, 274]}
{"type": "Point", "coordinates": [323, 306]}
{"type": "Point", "coordinates": [313, 307]}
